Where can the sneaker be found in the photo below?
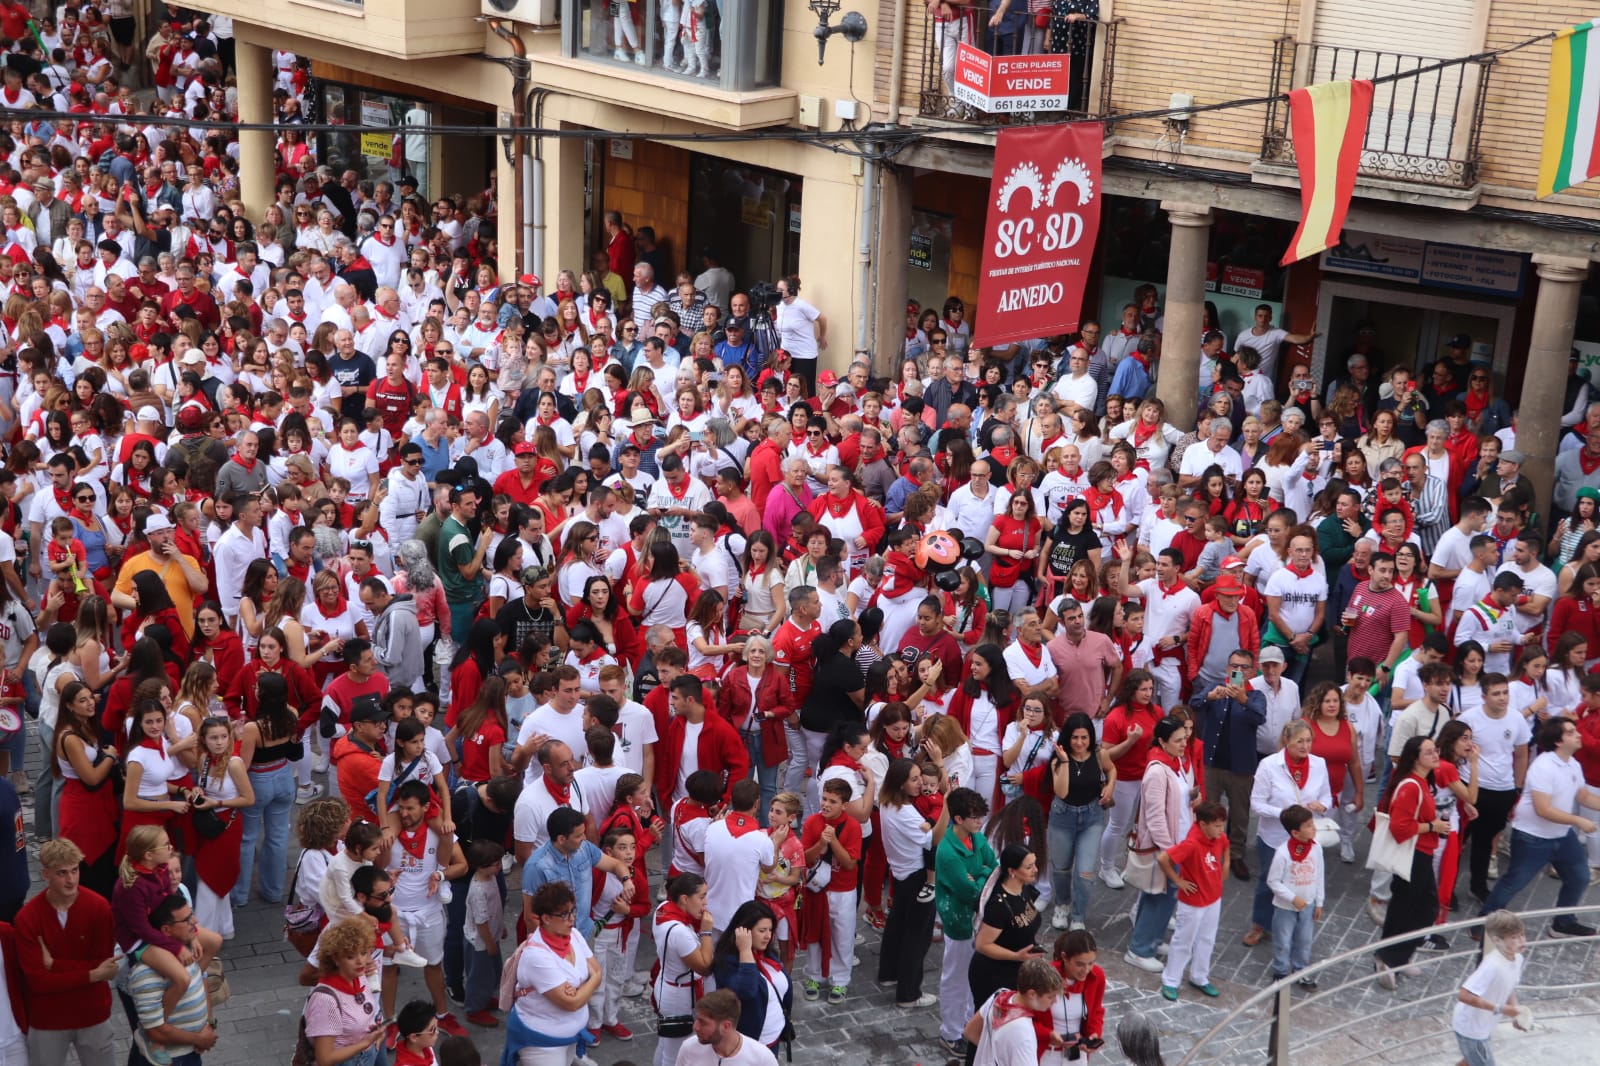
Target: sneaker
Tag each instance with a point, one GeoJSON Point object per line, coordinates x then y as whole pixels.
{"type": "Point", "coordinates": [1307, 983]}
{"type": "Point", "coordinates": [1411, 971]}
{"type": "Point", "coordinates": [1207, 989]}
{"type": "Point", "coordinates": [812, 989]}
{"type": "Point", "coordinates": [877, 919]}
{"type": "Point", "coordinates": [1148, 965]}
{"type": "Point", "coordinates": [457, 994]}
{"type": "Point", "coordinates": [448, 1024]}
{"type": "Point", "coordinates": [621, 55]}
{"type": "Point", "coordinates": [391, 1036]}
{"type": "Point", "coordinates": [620, 1031]}
{"type": "Point", "coordinates": [1386, 979]}
{"type": "Point", "coordinates": [925, 893]}
{"type": "Point", "coordinates": [1076, 925]}
{"type": "Point", "coordinates": [1494, 867]}
{"type": "Point", "coordinates": [1112, 879]}
{"type": "Point", "coordinates": [1435, 942]}
{"type": "Point", "coordinates": [837, 993]}
{"type": "Point", "coordinates": [409, 958]}
{"type": "Point", "coordinates": [1169, 993]}
{"type": "Point", "coordinates": [892, 982]}
{"type": "Point", "coordinates": [1061, 916]}
{"type": "Point", "coordinates": [956, 1049]}
{"type": "Point", "coordinates": [1376, 909]}
{"type": "Point", "coordinates": [1347, 851]}
{"type": "Point", "coordinates": [634, 989]}
{"type": "Point", "coordinates": [1161, 951]}
{"type": "Point", "coordinates": [307, 793]}
{"type": "Point", "coordinates": [485, 1019]}
{"type": "Point", "coordinates": [861, 938]}
{"type": "Point", "coordinates": [927, 999]}
{"type": "Point", "coordinates": [1569, 927]}
{"type": "Point", "coordinates": [594, 1036]}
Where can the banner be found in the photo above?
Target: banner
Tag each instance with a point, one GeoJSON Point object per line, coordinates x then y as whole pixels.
{"type": "Point", "coordinates": [1044, 216]}
{"type": "Point", "coordinates": [1000, 84]}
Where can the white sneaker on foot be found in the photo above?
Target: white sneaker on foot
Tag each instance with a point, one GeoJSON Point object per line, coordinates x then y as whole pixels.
{"type": "Point", "coordinates": [1062, 916]}
{"type": "Point", "coordinates": [1111, 878]}
{"type": "Point", "coordinates": [1149, 965]}
{"type": "Point", "coordinates": [409, 958]}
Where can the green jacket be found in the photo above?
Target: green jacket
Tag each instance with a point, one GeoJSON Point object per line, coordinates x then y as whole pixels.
{"type": "Point", "coordinates": [959, 874]}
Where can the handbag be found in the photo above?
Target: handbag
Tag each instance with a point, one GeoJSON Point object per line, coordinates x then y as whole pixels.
{"type": "Point", "coordinates": [1142, 871]}
{"type": "Point", "coordinates": [1328, 834]}
{"type": "Point", "coordinates": [206, 820]}
{"type": "Point", "coordinates": [1387, 853]}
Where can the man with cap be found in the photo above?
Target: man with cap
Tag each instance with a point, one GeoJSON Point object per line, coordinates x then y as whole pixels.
{"type": "Point", "coordinates": [642, 436]}
{"type": "Point", "coordinates": [180, 574]}
{"type": "Point", "coordinates": [738, 346]}
{"type": "Point", "coordinates": [522, 482]}
{"type": "Point", "coordinates": [1282, 696]}
{"type": "Point", "coordinates": [1507, 475]}
{"type": "Point", "coordinates": [147, 426]}
{"type": "Point", "coordinates": [1218, 628]}
{"type": "Point", "coordinates": [1226, 717]}
{"type": "Point", "coordinates": [358, 755]}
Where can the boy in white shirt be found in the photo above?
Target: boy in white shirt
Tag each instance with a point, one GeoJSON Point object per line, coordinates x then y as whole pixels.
{"type": "Point", "coordinates": [1491, 992]}
{"type": "Point", "coordinates": [1297, 879]}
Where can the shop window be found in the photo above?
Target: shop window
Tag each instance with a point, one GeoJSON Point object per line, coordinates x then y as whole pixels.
{"type": "Point", "coordinates": [733, 45]}
{"type": "Point", "coordinates": [376, 156]}
{"type": "Point", "coordinates": [765, 243]}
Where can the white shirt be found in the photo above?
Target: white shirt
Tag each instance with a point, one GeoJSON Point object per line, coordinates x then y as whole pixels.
{"type": "Point", "coordinates": [1560, 781]}
{"type": "Point", "coordinates": [1078, 390]}
{"type": "Point", "coordinates": [1540, 581]}
{"type": "Point", "coordinates": [1495, 980]}
{"type": "Point", "coordinates": [1281, 706]}
{"type": "Point", "coordinates": [750, 1053]}
{"type": "Point", "coordinates": [234, 553]}
{"type": "Point", "coordinates": [1498, 741]}
{"type": "Point", "coordinates": [1022, 668]}
{"type": "Point", "coordinates": [1477, 623]}
{"type": "Point", "coordinates": [733, 867]}
{"type": "Point", "coordinates": [1299, 595]}
{"type": "Point", "coordinates": [567, 728]}
{"type": "Point", "coordinates": [796, 331]}
{"type": "Point", "coordinates": [1198, 456]}
{"type": "Point", "coordinates": [1164, 615]}
{"type": "Point", "coordinates": [534, 808]}
{"type": "Point", "coordinates": [905, 836]}
{"type": "Point", "coordinates": [971, 514]}
{"type": "Point", "coordinates": [1013, 1044]}
{"type": "Point", "coordinates": [541, 970]}
{"type": "Point", "coordinates": [638, 727]}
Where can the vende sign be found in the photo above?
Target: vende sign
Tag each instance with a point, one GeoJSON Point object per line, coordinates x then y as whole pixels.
{"type": "Point", "coordinates": [1010, 83]}
{"type": "Point", "coordinates": [1044, 215]}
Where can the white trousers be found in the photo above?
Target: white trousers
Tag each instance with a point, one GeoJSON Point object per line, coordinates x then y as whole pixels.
{"type": "Point", "coordinates": [546, 1056]}
{"type": "Point", "coordinates": [949, 35]}
{"type": "Point", "coordinates": [842, 935]}
{"type": "Point", "coordinates": [623, 29]}
{"type": "Point", "coordinates": [985, 768]}
{"type": "Point", "coordinates": [955, 994]}
{"type": "Point", "coordinates": [1169, 683]}
{"type": "Point", "coordinates": [1192, 943]}
{"type": "Point", "coordinates": [616, 966]}
{"type": "Point", "coordinates": [1124, 809]}
{"type": "Point", "coordinates": [212, 911]}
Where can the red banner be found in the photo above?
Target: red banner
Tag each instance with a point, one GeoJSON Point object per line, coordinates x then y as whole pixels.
{"type": "Point", "coordinates": [1044, 216]}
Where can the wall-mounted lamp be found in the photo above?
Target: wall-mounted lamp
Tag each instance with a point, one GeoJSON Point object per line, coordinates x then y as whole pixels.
{"type": "Point", "coordinates": [853, 25]}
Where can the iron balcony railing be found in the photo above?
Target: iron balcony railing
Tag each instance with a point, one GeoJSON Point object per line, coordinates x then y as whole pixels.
{"type": "Point", "coordinates": [1424, 128]}
{"type": "Point", "coordinates": [1090, 48]}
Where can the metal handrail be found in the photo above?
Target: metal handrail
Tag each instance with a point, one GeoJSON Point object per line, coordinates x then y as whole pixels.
{"type": "Point", "coordinates": [1281, 1017]}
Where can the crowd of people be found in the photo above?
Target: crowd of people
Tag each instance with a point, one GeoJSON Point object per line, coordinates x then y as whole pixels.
{"type": "Point", "coordinates": [315, 524]}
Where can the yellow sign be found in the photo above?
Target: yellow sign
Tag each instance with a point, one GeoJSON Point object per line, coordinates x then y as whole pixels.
{"type": "Point", "coordinates": [376, 145]}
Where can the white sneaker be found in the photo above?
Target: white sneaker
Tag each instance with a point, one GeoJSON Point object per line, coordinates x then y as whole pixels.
{"type": "Point", "coordinates": [307, 793]}
{"type": "Point", "coordinates": [1347, 851]}
{"type": "Point", "coordinates": [1111, 878]}
{"type": "Point", "coordinates": [409, 958]}
{"type": "Point", "coordinates": [927, 999]}
{"type": "Point", "coordinates": [1077, 925]}
{"type": "Point", "coordinates": [641, 58]}
{"type": "Point", "coordinates": [1151, 965]}
{"type": "Point", "coordinates": [621, 55]}
{"type": "Point", "coordinates": [1161, 951]}
{"type": "Point", "coordinates": [1062, 916]}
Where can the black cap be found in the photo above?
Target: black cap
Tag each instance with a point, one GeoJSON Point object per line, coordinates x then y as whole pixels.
{"type": "Point", "coordinates": [407, 179]}
{"type": "Point", "coordinates": [1461, 340]}
{"type": "Point", "coordinates": [367, 708]}
{"type": "Point", "coordinates": [739, 322]}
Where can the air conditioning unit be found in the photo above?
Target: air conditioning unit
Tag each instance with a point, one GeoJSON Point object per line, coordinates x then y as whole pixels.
{"type": "Point", "coordinates": [531, 12]}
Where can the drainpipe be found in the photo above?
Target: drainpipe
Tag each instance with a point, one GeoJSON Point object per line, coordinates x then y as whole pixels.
{"type": "Point", "coordinates": [534, 183]}
{"type": "Point", "coordinates": [519, 67]}
{"type": "Point", "coordinates": [865, 265]}
{"type": "Point", "coordinates": [897, 63]}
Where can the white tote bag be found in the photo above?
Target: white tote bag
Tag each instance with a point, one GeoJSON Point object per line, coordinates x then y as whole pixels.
{"type": "Point", "coordinates": [1387, 853]}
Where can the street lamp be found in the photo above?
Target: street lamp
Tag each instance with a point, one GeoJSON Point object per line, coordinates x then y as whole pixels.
{"type": "Point", "coordinates": [853, 25]}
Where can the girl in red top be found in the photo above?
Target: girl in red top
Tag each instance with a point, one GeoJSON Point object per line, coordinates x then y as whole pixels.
{"type": "Point", "coordinates": [1014, 542]}
{"type": "Point", "coordinates": [1576, 611]}
{"type": "Point", "coordinates": [1126, 737]}
{"type": "Point", "coordinates": [1456, 801]}
{"type": "Point", "coordinates": [1412, 814]}
{"type": "Point", "coordinates": [481, 730]}
{"type": "Point", "coordinates": [1080, 1013]}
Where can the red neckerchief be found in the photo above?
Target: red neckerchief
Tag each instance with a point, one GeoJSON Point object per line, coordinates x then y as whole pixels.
{"type": "Point", "coordinates": [895, 748]}
{"type": "Point", "coordinates": [1034, 654]}
{"type": "Point", "coordinates": [1159, 754]}
{"type": "Point", "coordinates": [248, 465]}
{"type": "Point", "coordinates": [1300, 849]}
{"type": "Point", "coordinates": [671, 912]}
{"type": "Point", "coordinates": [1097, 500]}
{"type": "Point", "coordinates": [1143, 431]}
{"type": "Point", "coordinates": [1008, 1008]}
{"type": "Point", "coordinates": [1476, 402]}
{"type": "Point", "coordinates": [842, 759]}
{"type": "Point", "coordinates": [678, 494]}
{"type": "Point", "coordinates": [154, 744]}
{"type": "Point", "coordinates": [1297, 572]}
{"type": "Point", "coordinates": [354, 986]}
{"type": "Point", "coordinates": [1299, 774]}
{"type": "Point", "coordinates": [1172, 589]}
{"type": "Point", "coordinates": [63, 499]}
{"type": "Point", "coordinates": [580, 382]}
{"type": "Point", "coordinates": [84, 517]}
{"type": "Point", "coordinates": [561, 793]}
{"type": "Point", "coordinates": [838, 509]}
{"type": "Point", "coordinates": [339, 607]}
{"type": "Point", "coordinates": [416, 842]}
{"type": "Point", "coordinates": [740, 824]}
{"type": "Point", "coordinates": [1588, 463]}
{"type": "Point", "coordinates": [561, 945]}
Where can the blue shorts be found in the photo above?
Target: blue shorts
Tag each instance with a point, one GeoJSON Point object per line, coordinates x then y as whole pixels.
{"type": "Point", "coordinates": [1475, 1052]}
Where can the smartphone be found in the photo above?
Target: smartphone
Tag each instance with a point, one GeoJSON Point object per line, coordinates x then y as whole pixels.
{"type": "Point", "coordinates": [1235, 678]}
{"type": "Point", "coordinates": [696, 436]}
{"type": "Point", "coordinates": [1327, 445]}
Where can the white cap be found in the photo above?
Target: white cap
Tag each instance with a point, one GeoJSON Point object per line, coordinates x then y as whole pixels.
{"type": "Point", "coordinates": [157, 523]}
{"type": "Point", "coordinates": [147, 413]}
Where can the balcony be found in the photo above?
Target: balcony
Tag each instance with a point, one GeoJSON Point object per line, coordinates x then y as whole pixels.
{"type": "Point", "coordinates": [733, 46]}
{"type": "Point", "coordinates": [950, 57]}
{"type": "Point", "coordinates": [399, 29]}
{"type": "Point", "coordinates": [1424, 130]}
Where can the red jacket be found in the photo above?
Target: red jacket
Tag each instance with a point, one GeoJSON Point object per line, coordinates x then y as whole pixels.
{"type": "Point", "coordinates": [772, 694]}
{"type": "Point", "coordinates": [1200, 635]}
{"type": "Point", "coordinates": [8, 946]}
{"type": "Point", "coordinates": [766, 470]}
{"type": "Point", "coordinates": [1588, 756]}
{"type": "Point", "coordinates": [61, 996]}
{"type": "Point", "coordinates": [868, 513]}
{"type": "Point", "coordinates": [719, 749]}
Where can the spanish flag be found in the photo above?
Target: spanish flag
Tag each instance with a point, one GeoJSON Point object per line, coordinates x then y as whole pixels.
{"type": "Point", "coordinates": [1572, 111]}
{"type": "Point", "coordinates": [1327, 124]}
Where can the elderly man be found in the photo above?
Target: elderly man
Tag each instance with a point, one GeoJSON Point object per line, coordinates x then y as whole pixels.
{"type": "Point", "coordinates": [1429, 498]}
{"type": "Point", "coordinates": [1227, 715]}
{"type": "Point", "coordinates": [244, 474]}
{"type": "Point", "coordinates": [1577, 468]}
{"type": "Point", "coordinates": [1211, 450]}
{"type": "Point", "coordinates": [646, 295]}
{"type": "Point", "coordinates": [972, 505]}
{"type": "Point", "coordinates": [337, 310]}
{"type": "Point", "coordinates": [951, 388]}
{"type": "Point", "coordinates": [354, 370]}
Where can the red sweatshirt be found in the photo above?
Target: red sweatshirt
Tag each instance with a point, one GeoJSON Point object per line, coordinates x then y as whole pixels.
{"type": "Point", "coordinates": [62, 996]}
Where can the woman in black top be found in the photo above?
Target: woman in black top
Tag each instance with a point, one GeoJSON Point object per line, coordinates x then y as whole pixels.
{"type": "Point", "coordinates": [1082, 778]}
{"type": "Point", "coordinates": [838, 687]}
{"type": "Point", "coordinates": [1072, 539]}
{"type": "Point", "coordinates": [1008, 924]}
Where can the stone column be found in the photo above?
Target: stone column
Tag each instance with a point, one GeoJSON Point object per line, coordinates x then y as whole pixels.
{"type": "Point", "coordinates": [1543, 384]}
{"type": "Point", "coordinates": [255, 146]}
{"type": "Point", "coordinates": [892, 247]}
{"type": "Point", "coordinates": [1178, 380]}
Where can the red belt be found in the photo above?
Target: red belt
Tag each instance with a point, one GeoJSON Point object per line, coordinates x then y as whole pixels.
{"type": "Point", "coordinates": [982, 751]}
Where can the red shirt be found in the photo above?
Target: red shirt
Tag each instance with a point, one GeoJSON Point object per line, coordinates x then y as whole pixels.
{"type": "Point", "coordinates": [849, 835]}
{"type": "Point", "coordinates": [1201, 861]}
{"type": "Point", "coordinates": [791, 647]}
{"type": "Point", "coordinates": [475, 749]}
{"type": "Point", "coordinates": [1379, 616]}
{"type": "Point", "coordinates": [1118, 724]}
{"type": "Point", "coordinates": [393, 402]}
{"type": "Point", "coordinates": [343, 692]}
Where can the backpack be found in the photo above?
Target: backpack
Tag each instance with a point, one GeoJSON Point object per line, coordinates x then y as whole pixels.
{"type": "Point", "coordinates": [305, 1053]}
{"type": "Point", "coordinates": [508, 978]}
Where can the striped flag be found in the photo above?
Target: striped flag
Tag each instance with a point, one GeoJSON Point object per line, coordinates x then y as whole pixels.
{"type": "Point", "coordinates": [1571, 111]}
{"type": "Point", "coordinates": [1328, 124]}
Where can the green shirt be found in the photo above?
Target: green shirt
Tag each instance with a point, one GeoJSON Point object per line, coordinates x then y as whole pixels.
{"type": "Point", "coordinates": [959, 873]}
{"type": "Point", "coordinates": [456, 549]}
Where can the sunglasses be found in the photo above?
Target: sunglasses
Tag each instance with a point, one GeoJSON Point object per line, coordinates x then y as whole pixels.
{"type": "Point", "coordinates": [412, 462]}
{"type": "Point", "coordinates": [83, 499]}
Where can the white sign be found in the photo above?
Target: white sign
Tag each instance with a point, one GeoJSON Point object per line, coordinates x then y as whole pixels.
{"type": "Point", "coordinates": [620, 149]}
{"type": "Point", "coordinates": [1415, 262]}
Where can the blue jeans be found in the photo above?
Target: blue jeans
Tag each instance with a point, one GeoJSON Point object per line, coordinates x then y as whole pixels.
{"type": "Point", "coordinates": [767, 775]}
{"type": "Point", "coordinates": [1074, 840]}
{"type": "Point", "coordinates": [1291, 939]}
{"type": "Point", "coordinates": [1529, 855]}
{"type": "Point", "coordinates": [268, 817]}
{"type": "Point", "coordinates": [1150, 928]}
{"type": "Point", "coordinates": [1261, 907]}
{"type": "Point", "coordinates": [455, 942]}
{"type": "Point", "coordinates": [483, 979]}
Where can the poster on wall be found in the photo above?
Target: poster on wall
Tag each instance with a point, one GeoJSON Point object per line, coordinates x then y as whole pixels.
{"type": "Point", "coordinates": [1416, 262]}
{"type": "Point", "coordinates": [1044, 215]}
{"type": "Point", "coordinates": [375, 113]}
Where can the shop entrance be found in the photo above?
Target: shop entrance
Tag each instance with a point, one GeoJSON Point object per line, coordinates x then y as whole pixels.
{"type": "Point", "coordinates": [1411, 328]}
